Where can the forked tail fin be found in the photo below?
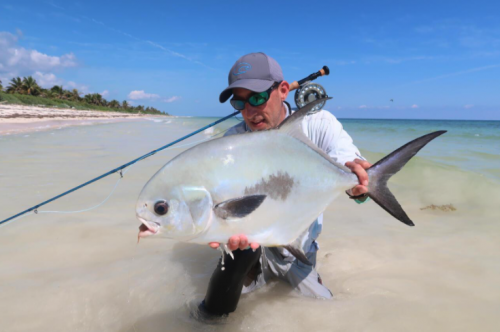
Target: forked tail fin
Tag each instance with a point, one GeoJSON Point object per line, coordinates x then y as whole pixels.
{"type": "Point", "coordinates": [386, 167]}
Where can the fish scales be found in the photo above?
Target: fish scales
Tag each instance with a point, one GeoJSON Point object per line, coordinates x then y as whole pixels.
{"type": "Point", "coordinates": [298, 182]}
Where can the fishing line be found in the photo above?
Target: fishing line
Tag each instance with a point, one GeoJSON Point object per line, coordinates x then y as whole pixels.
{"type": "Point", "coordinates": [119, 169]}
{"type": "Point", "coordinates": [301, 94]}
{"type": "Point", "coordinates": [122, 175]}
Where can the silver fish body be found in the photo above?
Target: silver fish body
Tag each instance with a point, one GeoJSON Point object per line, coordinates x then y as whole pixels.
{"type": "Point", "coordinates": [268, 185]}
{"type": "Point", "coordinates": [298, 184]}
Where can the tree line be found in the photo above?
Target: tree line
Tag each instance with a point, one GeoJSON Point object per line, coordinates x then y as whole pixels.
{"type": "Point", "coordinates": [29, 86]}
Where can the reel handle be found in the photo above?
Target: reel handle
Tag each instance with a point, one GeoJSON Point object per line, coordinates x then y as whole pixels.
{"type": "Point", "coordinates": [322, 72]}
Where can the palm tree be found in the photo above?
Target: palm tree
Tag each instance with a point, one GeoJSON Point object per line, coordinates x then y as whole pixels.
{"type": "Point", "coordinates": [31, 86]}
{"type": "Point", "coordinates": [58, 91]}
{"type": "Point", "coordinates": [88, 98]}
{"type": "Point", "coordinates": [94, 98]}
{"type": "Point", "coordinates": [125, 105]}
{"type": "Point", "coordinates": [98, 99]}
{"type": "Point", "coordinates": [114, 104]}
{"type": "Point", "coordinates": [67, 95]}
{"type": "Point", "coordinates": [15, 85]}
{"type": "Point", "coordinates": [48, 94]}
{"type": "Point", "coordinates": [1, 87]}
{"type": "Point", "coordinates": [75, 95]}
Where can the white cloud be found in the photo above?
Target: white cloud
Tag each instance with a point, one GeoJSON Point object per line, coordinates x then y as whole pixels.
{"type": "Point", "coordinates": [140, 94]}
{"type": "Point", "coordinates": [414, 106]}
{"type": "Point", "coordinates": [362, 106]}
{"type": "Point", "coordinates": [172, 99]}
{"type": "Point", "coordinates": [47, 80]}
{"type": "Point", "coordinates": [468, 106]}
{"type": "Point", "coordinates": [83, 89]}
{"type": "Point", "coordinates": [105, 93]}
{"type": "Point", "coordinates": [22, 61]}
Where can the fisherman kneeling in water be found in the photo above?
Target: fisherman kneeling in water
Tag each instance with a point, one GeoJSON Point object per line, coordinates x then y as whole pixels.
{"type": "Point", "coordinates": [259, 91]}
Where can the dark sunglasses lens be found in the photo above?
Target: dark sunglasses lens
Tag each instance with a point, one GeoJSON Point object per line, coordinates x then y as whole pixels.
{"type": "Point", "coordinates": [238, 104]}
{"type": "Point", "coordinates": [259, 98]}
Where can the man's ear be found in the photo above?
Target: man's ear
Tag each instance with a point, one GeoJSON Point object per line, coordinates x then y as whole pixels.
{"type": "Point", "coordinates": [284, 89]}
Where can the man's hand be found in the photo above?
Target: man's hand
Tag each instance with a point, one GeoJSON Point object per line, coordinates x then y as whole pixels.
{"type": "Point", "coordinates": [359, 168]}
{"type": "Point", "coordinates": [236, 242]}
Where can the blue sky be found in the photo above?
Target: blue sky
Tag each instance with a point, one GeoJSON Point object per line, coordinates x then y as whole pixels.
{"type": "Point", "coordinates": [436, 59]}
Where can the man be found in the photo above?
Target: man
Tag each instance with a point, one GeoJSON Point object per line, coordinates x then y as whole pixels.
{"type": "Point", "coordinates": [259, 90]}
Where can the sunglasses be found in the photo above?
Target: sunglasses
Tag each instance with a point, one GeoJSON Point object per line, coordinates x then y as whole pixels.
{"type": "Point", "coordinates": [256, 99]}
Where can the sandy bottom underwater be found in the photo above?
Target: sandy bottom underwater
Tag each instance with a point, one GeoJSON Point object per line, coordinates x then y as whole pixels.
{"type": "Point", "coordinates": [86, 272]}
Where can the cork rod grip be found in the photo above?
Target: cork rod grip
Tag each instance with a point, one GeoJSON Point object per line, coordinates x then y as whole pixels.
{"type": "Point", "coordinates": [294, 85]}
{"type": "Point", "coordinates": [322, 72]}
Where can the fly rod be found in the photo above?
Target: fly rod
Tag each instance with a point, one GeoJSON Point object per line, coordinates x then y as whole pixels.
{"type": "Point", "coordinates": [293, 86]}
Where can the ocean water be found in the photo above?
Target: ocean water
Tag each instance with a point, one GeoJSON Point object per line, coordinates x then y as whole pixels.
{"type": "Point", "coordinates": [85, 271]}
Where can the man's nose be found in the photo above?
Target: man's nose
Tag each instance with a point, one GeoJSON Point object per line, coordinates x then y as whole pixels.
{"type": "Point", "coordinates": [250, 110]}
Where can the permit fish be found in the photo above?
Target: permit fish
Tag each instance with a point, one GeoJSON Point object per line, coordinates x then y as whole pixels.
{"type": "Point", "coordinates": [269, 185]}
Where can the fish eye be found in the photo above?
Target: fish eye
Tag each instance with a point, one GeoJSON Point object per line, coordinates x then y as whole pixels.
{"type": "Point", "coordinates": [161, 208]}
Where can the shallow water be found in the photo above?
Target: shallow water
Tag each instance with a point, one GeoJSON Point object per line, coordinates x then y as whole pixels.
{"type": "Point", "coordinates": [85, 272]}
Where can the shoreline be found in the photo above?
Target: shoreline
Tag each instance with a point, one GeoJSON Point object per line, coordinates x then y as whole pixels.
{"type": "Point", "coordinates": [18, 119]}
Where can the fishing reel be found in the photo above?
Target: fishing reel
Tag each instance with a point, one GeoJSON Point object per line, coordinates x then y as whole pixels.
{"type": "Point", "coordinates": [307, 91]}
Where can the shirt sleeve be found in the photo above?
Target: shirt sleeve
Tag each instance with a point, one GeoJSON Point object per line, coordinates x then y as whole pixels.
{"type": "Point", "coordinates": [329, 135]}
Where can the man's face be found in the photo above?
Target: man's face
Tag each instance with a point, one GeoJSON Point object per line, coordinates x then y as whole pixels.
{"type": "Point", "coordinates": [266, 116]}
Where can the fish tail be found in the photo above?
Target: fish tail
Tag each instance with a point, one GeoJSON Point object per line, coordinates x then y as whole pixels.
{"type": "Point", "coordinates": [380, 173]}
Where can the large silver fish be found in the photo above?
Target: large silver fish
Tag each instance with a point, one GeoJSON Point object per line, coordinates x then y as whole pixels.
{"type": "Point", "coordinates": [269, 185]}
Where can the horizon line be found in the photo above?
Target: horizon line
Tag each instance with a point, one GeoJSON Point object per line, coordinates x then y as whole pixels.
{"type": "Point", "coordinates": [221, 116]}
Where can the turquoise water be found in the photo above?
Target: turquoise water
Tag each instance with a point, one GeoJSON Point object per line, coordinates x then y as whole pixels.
{"type": "Point", "coordinates": [469, 145]}
{"type": "Point", "coordinates": [86, 272]}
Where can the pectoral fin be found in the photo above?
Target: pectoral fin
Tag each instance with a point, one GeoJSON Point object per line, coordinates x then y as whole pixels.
{"type": "Point", "coordinates": [298, 253]}
{"type": "Point", "coordinates": [238, 207]}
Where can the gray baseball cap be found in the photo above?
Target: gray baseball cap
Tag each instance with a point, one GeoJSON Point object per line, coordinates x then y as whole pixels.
{"type": "Point", "coordinates": [256, 72]}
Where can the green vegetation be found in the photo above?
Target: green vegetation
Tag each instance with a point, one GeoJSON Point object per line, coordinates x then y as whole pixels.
{"type": "Point", "coordinates": [27, 91]}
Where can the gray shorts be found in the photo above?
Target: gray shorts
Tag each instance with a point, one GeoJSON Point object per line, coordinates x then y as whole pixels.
{"type": "Point", "coordinates": [301, 277]}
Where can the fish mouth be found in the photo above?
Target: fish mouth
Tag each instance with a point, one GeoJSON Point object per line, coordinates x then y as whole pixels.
{"type": "Point", "coordinates": [147, 228]}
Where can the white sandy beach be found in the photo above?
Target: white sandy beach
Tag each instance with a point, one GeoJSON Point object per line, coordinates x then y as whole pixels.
{"type": "Point", "coordinates": [15, 119]}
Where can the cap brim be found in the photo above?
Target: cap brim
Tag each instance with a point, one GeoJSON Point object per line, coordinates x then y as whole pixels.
{"type": "Point", "coordinates": [249, 84]}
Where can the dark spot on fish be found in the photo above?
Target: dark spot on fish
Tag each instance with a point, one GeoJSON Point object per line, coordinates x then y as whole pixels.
{"type": "Point", "coordinates": [277, 186]}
